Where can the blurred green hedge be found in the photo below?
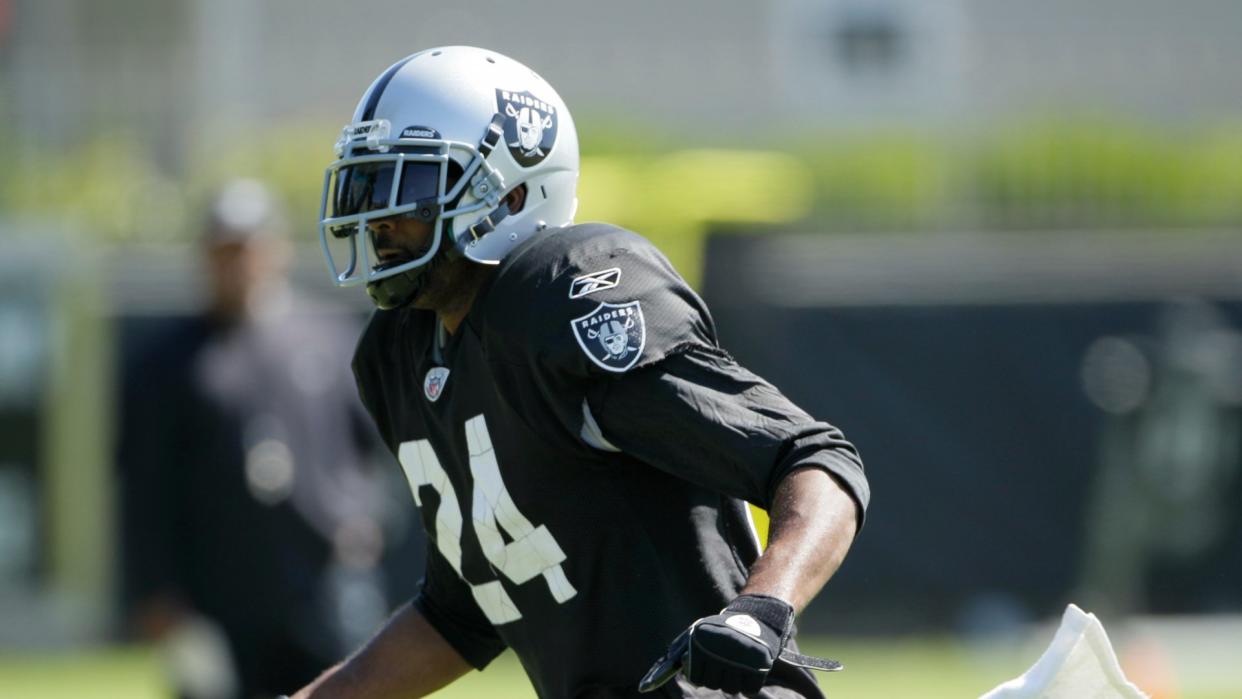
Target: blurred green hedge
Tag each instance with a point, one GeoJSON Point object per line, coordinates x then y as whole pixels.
{"type": "Point", "coordinates": [1047, 174]}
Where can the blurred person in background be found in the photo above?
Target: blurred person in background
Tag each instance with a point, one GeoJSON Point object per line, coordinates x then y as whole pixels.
{"type": "Point", "coordinates": [253, 523]}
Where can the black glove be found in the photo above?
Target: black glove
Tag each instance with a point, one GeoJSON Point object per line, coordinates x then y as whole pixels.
{"type": "Point", "coordinates": [734, 650]}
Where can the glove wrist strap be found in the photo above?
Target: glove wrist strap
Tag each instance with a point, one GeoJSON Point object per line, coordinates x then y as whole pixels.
{"type": "Point", "coordinates": [777, 614]}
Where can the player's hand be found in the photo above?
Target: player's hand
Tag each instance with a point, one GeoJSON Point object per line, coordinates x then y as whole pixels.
{"type": "Point", "coordinates": [734, 650]}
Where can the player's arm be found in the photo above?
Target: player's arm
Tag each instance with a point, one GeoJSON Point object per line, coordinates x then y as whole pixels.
{"type": "Point", "coordinates": [406, 658]}
{"type": "Point", "coordinates": [813, 522]}
{"type": "Point", "coordinates": [701, 416]}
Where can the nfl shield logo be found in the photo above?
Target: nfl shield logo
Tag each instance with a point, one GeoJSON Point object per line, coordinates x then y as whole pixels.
{"type": "Point", "coordinates": [612, 335]}
{"type": "Point", "coordinates": [433, 385]}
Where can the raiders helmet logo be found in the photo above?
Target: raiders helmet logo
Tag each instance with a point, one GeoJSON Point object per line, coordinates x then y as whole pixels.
{"type": "Point", "coordinates": [612, 335]}
{"type": "Point", "coordinates": [530, 126]}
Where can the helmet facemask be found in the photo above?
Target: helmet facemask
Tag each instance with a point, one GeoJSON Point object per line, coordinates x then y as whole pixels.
{"type": "Point", "coordinates": [378, 178]}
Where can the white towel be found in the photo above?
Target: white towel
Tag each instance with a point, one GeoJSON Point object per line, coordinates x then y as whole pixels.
{"type": "Point", "coordinates": [1080, 664]}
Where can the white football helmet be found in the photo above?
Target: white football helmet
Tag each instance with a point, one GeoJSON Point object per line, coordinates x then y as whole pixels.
{"type": "Point", "coordinates": [442, 136]}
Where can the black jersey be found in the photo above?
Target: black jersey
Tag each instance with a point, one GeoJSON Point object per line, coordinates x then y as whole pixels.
{"type": "Point", "coordinates": [581, 451]}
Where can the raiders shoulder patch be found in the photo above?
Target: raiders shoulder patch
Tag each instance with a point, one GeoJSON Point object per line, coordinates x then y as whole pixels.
{"type": "Point", "coordinates": [612, 335]}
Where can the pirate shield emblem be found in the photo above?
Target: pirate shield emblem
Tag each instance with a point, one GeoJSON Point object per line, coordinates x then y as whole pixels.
{"type": "Point", "coordinates": [612, 335]}
{"type": "Point", "coordinates": [530, 126]}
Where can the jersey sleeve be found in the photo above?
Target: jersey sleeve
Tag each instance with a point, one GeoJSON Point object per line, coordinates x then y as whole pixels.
{"type": "Point", "coordinates": [593, 301]}
{"type": "Point", "coordinates": [446, 603]}
{"type": "Point", "coordinates": [702, 417]}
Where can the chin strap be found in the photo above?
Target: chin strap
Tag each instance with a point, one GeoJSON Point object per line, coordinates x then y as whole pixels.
{"type": "Point", "coordinates": [400, 289]}
{"type": "Point", "coordinates": [472, 235]}
{"type": "Point", "coordinates": [487, 188]}
{"type": "Point", "coordinates": [396, 291]}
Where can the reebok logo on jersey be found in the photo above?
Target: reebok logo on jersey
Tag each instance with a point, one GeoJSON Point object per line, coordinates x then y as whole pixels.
{"type": "Point", "coordinates": [612, 335]}
{"type": "Point", "coordinates": [593, 282]}
{"type": "Point", "coordinates": [433, 385]}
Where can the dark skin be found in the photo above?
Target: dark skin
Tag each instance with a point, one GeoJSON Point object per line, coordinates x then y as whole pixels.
{"type": "Point", "coordinates": [451, 286]}
{"type": "Point", "coordinates": [813, 522]}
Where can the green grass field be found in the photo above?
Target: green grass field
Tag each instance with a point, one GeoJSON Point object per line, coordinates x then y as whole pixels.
{"type": "Point", "coordinates": [927, 669]}
{"type": "Point", "coordinates": [115, 673]}
{"type": "Point", "coordinates": [917, 668]}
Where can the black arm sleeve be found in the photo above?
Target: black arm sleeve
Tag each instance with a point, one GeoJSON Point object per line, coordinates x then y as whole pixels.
{"type": "Point", "coordinates": [702, 417]}
{"type": "Point", "coordinates": [447, 604]}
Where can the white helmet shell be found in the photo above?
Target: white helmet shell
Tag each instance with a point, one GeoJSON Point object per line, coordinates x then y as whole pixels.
{"type": "Point", "coordinates": [444, 113]}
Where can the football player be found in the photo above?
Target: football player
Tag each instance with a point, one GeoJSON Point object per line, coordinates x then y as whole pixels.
{"type": "Point", "coordinates": [580, 447]}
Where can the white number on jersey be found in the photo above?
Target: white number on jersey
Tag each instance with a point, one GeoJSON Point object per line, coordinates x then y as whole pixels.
{"type": "Point", "coordinates": [533, 551]}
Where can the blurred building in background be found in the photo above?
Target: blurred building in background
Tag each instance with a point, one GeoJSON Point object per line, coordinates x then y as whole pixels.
{"type": "Point", "coordinates": [195, 69]}
{"type": "Point", "coordinates": [994, 201]}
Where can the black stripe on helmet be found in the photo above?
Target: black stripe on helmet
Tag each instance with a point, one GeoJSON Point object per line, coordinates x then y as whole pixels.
{"type": "Point", "coordinates": [368, 113]}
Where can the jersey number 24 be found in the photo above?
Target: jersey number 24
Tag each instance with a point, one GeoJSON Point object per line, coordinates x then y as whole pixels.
{"type": "Point", "coordinates": [532, 550]}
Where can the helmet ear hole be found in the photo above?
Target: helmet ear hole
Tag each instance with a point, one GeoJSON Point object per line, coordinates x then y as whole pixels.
{"type": "Point", "coordinates": [516, 198]}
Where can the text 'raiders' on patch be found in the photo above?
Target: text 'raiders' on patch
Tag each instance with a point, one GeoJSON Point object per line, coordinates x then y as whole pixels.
{"type": "Point", "coordinates": [613, 335]}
